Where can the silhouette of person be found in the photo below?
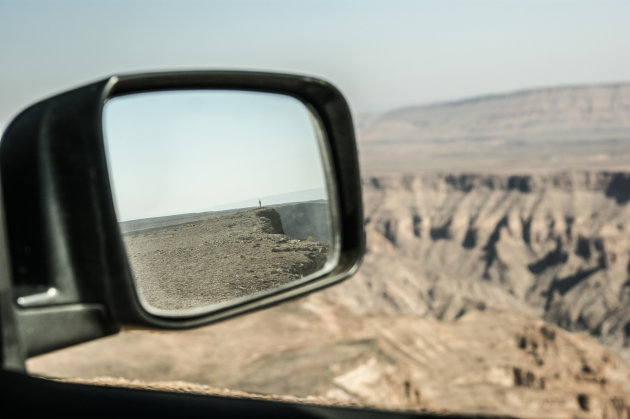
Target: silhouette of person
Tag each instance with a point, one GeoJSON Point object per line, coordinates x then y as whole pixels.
{"type": "Point", "coordinates": [259, 204]}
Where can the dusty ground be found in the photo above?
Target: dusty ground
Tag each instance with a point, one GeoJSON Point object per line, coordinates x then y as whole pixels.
{"type": "Point", "coordinates": [218, 259]}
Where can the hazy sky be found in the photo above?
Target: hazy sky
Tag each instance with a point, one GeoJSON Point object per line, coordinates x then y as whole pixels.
{"type": "Point", "coordinates": [182, 152]}
{"type": "Point", "coordinates": [381, 54]}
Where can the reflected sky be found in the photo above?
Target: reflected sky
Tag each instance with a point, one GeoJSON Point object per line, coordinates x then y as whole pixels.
{"type": "Point", "coordinates": [180, 152]}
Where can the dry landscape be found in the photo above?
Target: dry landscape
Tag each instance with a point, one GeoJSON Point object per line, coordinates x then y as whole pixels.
{"type": "Point", "coordinates": [496, 280]}
{"type": "Point", "coordinates": [219, 257]}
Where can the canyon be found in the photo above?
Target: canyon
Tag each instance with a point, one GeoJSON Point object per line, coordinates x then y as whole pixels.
{"type": "Point", "coordinates": [496, 278]}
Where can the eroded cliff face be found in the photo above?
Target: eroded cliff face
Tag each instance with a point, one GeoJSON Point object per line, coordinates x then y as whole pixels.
{"type": "Point", "coordinates": [556, 246]}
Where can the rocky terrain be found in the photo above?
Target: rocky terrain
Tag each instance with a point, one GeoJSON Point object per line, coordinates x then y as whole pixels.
{"type": "Point", "coordinates": [218, 257]}
{"type": "Point", "coordinates": [556, 246]}
{"type": "Point", "coordinates": [496, 278]}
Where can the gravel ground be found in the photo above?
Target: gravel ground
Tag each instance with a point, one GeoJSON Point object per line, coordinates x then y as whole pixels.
{"type": "Point", "coordinates": [218, 259]}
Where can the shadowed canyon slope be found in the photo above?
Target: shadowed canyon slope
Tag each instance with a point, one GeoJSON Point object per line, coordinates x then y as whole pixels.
{"type": "Point", "coordinates": [554, 245]}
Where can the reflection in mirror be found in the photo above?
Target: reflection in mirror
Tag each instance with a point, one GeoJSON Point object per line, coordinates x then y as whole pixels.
{"type": "Point", "coordinates": [219, 194]}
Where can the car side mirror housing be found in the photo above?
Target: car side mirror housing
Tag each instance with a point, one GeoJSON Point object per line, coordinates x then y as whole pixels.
{"type": "Point", "coordinates": [173, 200]}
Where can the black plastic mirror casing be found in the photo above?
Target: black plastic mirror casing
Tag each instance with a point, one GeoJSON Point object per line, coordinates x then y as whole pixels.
{"type": "Point", "coordinates": [66, 252]}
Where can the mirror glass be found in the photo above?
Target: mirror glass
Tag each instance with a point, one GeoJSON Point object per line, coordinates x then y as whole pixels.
{"type": "Point", "coordinates": [219, 194]}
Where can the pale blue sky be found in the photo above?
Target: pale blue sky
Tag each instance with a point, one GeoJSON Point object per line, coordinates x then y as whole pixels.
{"type": "Point", "coordinates": [381, 54]}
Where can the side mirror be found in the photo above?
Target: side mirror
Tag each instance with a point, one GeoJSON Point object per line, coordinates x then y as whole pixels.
{"type": "Point", "coordinates": [173, 200]}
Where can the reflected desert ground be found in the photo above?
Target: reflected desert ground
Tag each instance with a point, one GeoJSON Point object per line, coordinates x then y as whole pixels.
{"type": "Point", "coordinates": [220, 256]}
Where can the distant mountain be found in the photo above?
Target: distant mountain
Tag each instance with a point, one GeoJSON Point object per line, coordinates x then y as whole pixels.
{"type": "Point", "coordinates": [306, 195]}
{"type": "Point", "coordinates": [583, 124]}
{"type": "Point", "coordinates": [597, 111]}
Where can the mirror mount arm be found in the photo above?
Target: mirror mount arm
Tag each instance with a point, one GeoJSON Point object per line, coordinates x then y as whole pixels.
{"type": "Point", "coordinates": [48, 172]}
{"type": "Point", "coordinates": [12, 354]}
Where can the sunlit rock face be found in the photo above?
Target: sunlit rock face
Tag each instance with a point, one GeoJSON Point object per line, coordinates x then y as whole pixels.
{"type": "Point", "coordinates": [554, 245]}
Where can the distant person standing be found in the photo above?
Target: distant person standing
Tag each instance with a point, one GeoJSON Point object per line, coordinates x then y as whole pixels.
{"type": "Point", "coordinates": [259, 204]}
